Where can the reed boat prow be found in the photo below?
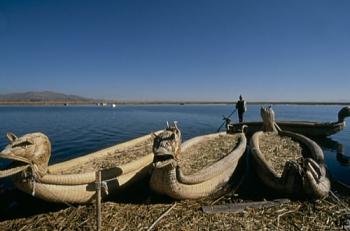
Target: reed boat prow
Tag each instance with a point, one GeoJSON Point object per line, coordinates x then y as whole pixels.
{"type": "Point", "coordinates": [169, 178]}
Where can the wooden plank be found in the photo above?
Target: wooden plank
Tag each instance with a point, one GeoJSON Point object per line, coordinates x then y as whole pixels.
{"type": "Point", "coordinates": [239, 207]}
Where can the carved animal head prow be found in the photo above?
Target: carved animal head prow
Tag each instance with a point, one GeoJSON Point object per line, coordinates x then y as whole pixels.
{"type": "Point", "coordinates": [268, 117]}
{"type": "Point", "coordinates": [29, 151]}
{"type": "Point", "coordinates": [166, 145]}
{"type": "Point", "coordinates": [343, 113]}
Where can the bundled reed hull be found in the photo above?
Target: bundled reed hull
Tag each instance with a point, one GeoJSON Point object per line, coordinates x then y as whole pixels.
{"type": "Point", "coordinates": [80, 188]}
{"type": "Point", "coordinates": [168, 178]}
{"type": "Point", "coordinates": [63, 184]}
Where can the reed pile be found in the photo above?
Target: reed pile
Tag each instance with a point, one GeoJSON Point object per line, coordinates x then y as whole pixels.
{"type": "Point", "coordinates": [277, 150]}
{"type": "Point", "coordinates": [115, 158]}
{"type": "Point", "coordinates": [329, 214]}
{"type": "Point", "coordinates": [206, 153]}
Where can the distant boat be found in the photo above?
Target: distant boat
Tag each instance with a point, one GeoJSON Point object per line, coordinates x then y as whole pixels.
{"type": "Point", "coordinates": [113, 105]}
{"type": "Point", "coordinates": [307, 128]}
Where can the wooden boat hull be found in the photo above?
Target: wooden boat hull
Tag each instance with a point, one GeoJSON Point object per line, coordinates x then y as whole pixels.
{"type": "Point", "coordinates": [79, 188]}
{"type": "Point", "coordinates": [307, 128]}
{"type": "Point", "coordinates": [169, 179]}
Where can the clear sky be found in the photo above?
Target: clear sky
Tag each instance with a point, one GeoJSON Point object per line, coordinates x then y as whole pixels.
{"type": "Point", "coordinates": [180, 49]}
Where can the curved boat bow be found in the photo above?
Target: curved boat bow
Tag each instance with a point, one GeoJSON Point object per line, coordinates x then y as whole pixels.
{"type": "Point", "coordinates": [168, 177]}
{"type": "Point", "coordinates": [305, 178]}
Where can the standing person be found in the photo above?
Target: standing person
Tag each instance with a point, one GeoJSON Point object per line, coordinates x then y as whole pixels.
{"type": "Point", "coordinates": [241, 107]}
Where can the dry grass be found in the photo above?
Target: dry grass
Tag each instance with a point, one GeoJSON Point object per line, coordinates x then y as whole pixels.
{"type": "Point", "coordinates": [279, 149]}
{"type": "Point", "coordinates": [206, 153]}
{"type": "Point", "coordinates": [328, 214]}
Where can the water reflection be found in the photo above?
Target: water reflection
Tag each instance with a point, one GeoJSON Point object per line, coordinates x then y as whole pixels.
{"type": "Point", "coordinates": [336, 147]}
{"type": "Point", "coordinates": [338, 161]}
{"type": "Point", "coordinates": [341, 157]}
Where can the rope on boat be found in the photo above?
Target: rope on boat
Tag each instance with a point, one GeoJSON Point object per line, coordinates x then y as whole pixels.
{"type": "Point", "coordinates": [33, 183]}
{"type": "Point", "coordinates": [105, 185]}
{"type": "Point", "coordinates": [32, 177]}
{"type": "Point", "coordinates": [105, 181]}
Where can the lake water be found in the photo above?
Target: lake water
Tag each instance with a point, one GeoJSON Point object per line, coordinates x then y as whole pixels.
{"type": "Point", "coordinates": [79, 130]}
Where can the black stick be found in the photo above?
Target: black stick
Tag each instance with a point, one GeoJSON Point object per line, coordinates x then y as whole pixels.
{"type": "Point", "coordinates": [220, 126]}
{"type": "Point", "coordinates": [232, 113]}
{"type": "Point", "coordinates": [225, 120]}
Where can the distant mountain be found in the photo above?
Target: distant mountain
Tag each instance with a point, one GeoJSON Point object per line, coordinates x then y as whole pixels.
{"type": "Point", "coordinates": [40, 96]}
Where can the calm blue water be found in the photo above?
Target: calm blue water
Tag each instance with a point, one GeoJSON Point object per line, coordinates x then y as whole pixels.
{"type": "Point", "coordinates": [79, 130]}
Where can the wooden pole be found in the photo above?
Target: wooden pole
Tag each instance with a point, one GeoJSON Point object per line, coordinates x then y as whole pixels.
{"type": "Point", "coordinates": [98, 199]}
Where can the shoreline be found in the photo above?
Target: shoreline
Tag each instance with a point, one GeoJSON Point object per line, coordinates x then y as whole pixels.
{"type": "Point", "coordinates": [109, 102]}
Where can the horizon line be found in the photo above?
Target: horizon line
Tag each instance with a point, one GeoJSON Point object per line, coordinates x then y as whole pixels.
{"type": "Point", "coordinates": [135, 102]}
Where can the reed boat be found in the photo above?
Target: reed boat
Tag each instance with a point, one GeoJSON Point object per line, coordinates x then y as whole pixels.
{"type": "Point", "coordinates": [301, 176]}
{"type": "Point", "coordinates": [198, 167]}
{"type": "Point", "coordinates": [307, 128]}
{"type": "Point", "coordinates": [73, 181]}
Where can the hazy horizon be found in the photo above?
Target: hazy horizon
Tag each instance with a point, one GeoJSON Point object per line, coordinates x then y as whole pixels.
{"type": "Point", "coordinates": [178, 50]}
{"type": "Point", "coordinates": [51, 95]}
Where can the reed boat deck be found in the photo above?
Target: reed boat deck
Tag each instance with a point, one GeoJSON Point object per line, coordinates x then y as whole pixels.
{"type": "Point", "coordinates": [207, 152]}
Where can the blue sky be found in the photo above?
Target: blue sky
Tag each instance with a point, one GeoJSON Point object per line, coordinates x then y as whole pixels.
{"type": "Point", "coordinates": [180, 50]}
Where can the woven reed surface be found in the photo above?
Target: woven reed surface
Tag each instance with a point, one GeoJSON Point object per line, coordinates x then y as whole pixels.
{"type": "Point", "coordinates": [114, 158]}
{"type": "Point", "coordinates": [206, 152]}
{"type": "Point", "coordinates": [279, 149]}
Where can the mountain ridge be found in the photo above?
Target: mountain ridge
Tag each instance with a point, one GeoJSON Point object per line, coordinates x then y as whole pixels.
{"type": "Point", "coordinates": [41, 96]}
{"type": "Point", "coordinates": [52, 97]}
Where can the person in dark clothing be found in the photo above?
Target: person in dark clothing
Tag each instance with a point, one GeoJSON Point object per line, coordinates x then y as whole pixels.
{"type": "Point", "coordinates": [241, 107]}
